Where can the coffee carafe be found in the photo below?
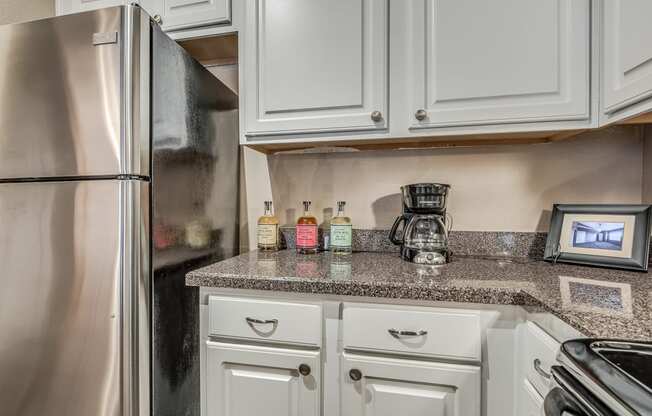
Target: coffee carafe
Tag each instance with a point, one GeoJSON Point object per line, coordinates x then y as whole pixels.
{"type": "Point", "coordinates": [424, 239]}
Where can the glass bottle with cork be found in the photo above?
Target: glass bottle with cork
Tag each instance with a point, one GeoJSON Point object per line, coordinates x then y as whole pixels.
{"type": "Point", "coordinates": [341, 231]}
{"type": "Point", "coordinates": [306, 235]}
{"type": "Point", "coordinates": [268, 229]}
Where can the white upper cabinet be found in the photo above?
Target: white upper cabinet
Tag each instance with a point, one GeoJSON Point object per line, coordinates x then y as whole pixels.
{"type": "Point", "coordinates": [626, 57]}
{"type": "Point", "coordinates": [183, 14]}
{"type": "Point", "coordinates": [77, 6]}
{"type": "Point", "coordinates": [315, 66]}
{"type": "Point", "coordinates": [171, 14]}
{"type": "Point", "coordinates": [497, 62]}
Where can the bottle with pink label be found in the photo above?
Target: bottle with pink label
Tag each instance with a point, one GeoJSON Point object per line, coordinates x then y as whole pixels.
{"type": "Point", "coordinates": [307, 231]}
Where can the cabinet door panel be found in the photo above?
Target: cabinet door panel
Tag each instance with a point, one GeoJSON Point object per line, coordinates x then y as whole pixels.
{"type": "Point", "coordinates": [252, 381]}
{"type": "Point", "coordinates": [537, 345]}
{"type": "Point", "coordinates": [529, 401]}
{"type": "Point", "coordinates": [153, 7]}
{"type": "Point", "coordinates": [396, 386]}
{"type": "Point", "coordinates": [181, 14]}
{"type": "Point", "coordinates": [313, 66]}
{"type": "Point", "coordinates": [504, 61]}
{"type": "Point", "coordinates": [627, 53]}
{"type": "Point", "coordinates": [77, 6]}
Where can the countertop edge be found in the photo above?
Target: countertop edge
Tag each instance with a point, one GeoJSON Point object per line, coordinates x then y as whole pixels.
{"type": "Point", "coordinates": [484, 296]}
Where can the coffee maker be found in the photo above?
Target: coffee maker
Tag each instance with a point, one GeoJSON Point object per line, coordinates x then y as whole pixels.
{"type": "Point", "coordinates": [424, 239]}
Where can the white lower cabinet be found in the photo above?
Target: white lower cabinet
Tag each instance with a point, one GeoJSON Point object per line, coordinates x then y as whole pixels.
{"type": "Point", "coordinates": [381, 386]}
{"type": "Point", "coordinates": [311, 357]}
{"type": "Point", "coordinates": [529, 401]}
{"type": "Point", "coordinates": [537, 352]}
{"type": "Point", "coordinates": [248, 380]}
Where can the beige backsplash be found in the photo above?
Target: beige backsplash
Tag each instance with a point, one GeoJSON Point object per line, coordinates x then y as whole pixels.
{"type": "Point", "coordinates": [497, 188]}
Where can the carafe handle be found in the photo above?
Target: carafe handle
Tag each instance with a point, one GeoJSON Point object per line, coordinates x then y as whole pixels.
{"type": "Point", "coordinates": [449, 227]}
{"type": "Point", "coordinates": [392, 232]}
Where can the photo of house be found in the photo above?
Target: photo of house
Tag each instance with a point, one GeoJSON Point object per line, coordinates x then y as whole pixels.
{"type": "Point", "coordinates": [599, 235]}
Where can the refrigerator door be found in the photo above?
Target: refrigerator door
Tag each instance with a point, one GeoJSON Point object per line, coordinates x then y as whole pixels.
{"type": "Point", "coordinates": [195, 185]}
{"type": "Point", "coordinates": [74, 264]}
{"type": "Point", "coordinates": [70, 95]}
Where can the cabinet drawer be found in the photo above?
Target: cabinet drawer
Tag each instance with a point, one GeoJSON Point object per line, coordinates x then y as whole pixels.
{"type": "Point", "coordinates": [443, 333]}
{"type": "Point", "coordinates": [264, 320]}
{"type": "Point", "coordinates": [537, 344]}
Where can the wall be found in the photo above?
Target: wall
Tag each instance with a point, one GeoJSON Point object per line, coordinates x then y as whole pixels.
{"type": "Point", "coordinates": [647, 164]}
{"type": "Point", "coordinates": [499, 188]}
{"type": "Point", "coordinates": [13, 11]}
{"type": "Point", "coordinates": [493, 188]}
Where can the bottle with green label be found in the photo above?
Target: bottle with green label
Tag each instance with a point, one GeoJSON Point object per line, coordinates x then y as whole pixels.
{"type": "Point", "coordinates": [341, 231]}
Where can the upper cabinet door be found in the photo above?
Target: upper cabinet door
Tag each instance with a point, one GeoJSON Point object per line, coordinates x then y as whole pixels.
{"type": "Point", "coordinates": [315, 66]}
{"type": "Point", "coordinates": [498, 62]}
{"type": "Point", "coordinates": [626, 54]}
{"type": "Point", "coordinates": [182, 14]}
{"type": "Point", "coordinates": [76, 6]}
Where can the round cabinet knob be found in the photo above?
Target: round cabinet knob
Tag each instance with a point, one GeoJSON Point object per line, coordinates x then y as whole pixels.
{"type": "Point", "coordinates": [421, 115]}
{"type": "Point", "coordinates": [304, 370]}
{"type": "Point", "coordinates": [355, 374]}
{"type": "Point", "coordinates": [377, 116]}
{"type": "Point", "coordinates": [158, 19]}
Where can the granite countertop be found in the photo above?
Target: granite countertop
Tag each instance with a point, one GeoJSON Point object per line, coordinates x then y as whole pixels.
{"type": "Point", "coordinates": [597, 302]}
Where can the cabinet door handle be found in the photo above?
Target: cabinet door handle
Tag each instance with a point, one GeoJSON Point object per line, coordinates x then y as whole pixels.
{"type": "Point", "coordinates": [420, 114]}
{"type": "Point", "coordinates": [541, 371]}
{"type": "Point", "coordinates": [158, 19]}
{"type": "Point", "coordinates": [304, 370]}
{"type": "Point", "coordinates": [252, 321]}
{"type": "Point", "coordinates": [355, 374]}
{"type": "Point", "coordinates": [396, 333]}
{"type": "Point", "coordinates": [377, 116]}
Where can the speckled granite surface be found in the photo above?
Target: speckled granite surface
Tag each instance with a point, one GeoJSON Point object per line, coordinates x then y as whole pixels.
{"type": "Point", "coordinates": [597, 302]}
{"type": "Point", "coordinates": [486, 243]}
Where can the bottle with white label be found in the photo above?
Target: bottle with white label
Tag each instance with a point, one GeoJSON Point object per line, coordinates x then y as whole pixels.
{"type": "Point", "coordinates": [341, 231]}
{"type": "Point", "coordinates": [268, 229]}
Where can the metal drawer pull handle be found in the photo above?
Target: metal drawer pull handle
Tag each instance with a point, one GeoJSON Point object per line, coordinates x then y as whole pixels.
{"type": "Point", "coordinates": [541, 371]}
{"type": "Point", "coordinates": [252, 321]}
{"type": "Point", "coordinates": [397, 333]}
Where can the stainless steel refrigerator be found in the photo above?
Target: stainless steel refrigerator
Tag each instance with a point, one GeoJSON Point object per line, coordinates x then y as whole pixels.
{"type": "Point", "coordinates": [118, 174]}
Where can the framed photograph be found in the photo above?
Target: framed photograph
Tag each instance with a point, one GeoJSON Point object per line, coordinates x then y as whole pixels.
{"type": "Point", "coordinates": [615, 236]}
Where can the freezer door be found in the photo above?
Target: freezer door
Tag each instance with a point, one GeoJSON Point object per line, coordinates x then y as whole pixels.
{"type": "Point", "coordinates": [72, 299]}
{"type": "Point", "coordinates": [71, 98]}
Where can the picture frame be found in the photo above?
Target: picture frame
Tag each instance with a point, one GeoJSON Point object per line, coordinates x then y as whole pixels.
{"type": "Point", "coordinates": [608, 235]}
